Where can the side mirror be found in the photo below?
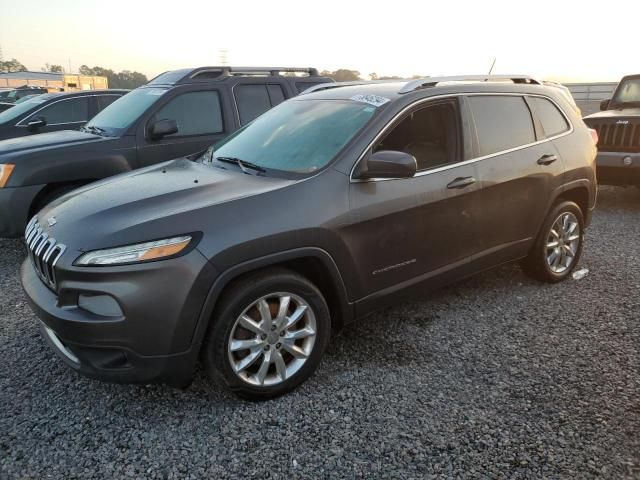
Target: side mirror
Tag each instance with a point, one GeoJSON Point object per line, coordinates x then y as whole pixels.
{"type": "Point", "coordinates": [162, 128]}
{"type": "Point", "coordinates": [387, 164]}
{"type": "Point", "coordinates": [604, 104]}
{"type": "Point", "coordinates": [36, 123]}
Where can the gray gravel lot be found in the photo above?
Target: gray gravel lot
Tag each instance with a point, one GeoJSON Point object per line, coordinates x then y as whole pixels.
{"type": "Point", "coordinates": [498, 376]}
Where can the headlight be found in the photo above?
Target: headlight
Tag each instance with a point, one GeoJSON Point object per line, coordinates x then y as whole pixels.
{"type": "Point", "coordinates": [5, 173]}
{"type": "Point", "coordinates": [139, 252]}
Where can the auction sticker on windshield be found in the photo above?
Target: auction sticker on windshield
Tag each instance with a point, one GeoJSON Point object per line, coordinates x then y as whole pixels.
{"type": "Point", "coordinates": [374, 100]}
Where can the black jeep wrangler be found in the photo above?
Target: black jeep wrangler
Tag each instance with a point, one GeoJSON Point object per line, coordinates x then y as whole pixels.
{"type": "Point", "coordinates": [177, 113]}
{"type": "Point", "coordinates": [618, 127]}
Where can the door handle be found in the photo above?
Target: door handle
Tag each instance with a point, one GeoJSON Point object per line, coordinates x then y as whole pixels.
{"type": "Point", "coordinates": [547, 159]}
{"type": "Point", "coordinates": [462, 182]}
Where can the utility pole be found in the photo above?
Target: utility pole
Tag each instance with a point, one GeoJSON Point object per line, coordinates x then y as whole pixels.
{"type": "Point", "coordinates": [222, 56]}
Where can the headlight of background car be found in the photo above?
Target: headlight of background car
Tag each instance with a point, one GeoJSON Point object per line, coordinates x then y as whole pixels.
{"type": "Point", "coordinates": [5, 173]}
{"type": "Point", "coordinates": [139, 252]}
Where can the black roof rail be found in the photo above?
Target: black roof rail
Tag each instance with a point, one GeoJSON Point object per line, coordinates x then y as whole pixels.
{"type": "Point", "coordinates": [433, 81]}
{"type": "Point", "coordinates": [189, 75]}
{"type": "Point", "coordinates": [226, 71]}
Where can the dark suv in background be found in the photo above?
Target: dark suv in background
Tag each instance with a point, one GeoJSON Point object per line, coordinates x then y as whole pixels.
{"type": "Point", "coordinates": [51, 112]}
{"type": "Point", "coordinates": [327, 207]}
{"type": "Point", "coordinates": [618, 127]}
{"type": "Point", "coordinates": [177, 113]}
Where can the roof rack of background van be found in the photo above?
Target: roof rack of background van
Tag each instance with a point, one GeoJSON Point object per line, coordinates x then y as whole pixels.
{"type": "Point", "coordinates": [326, 86]}
{"type": "Point", "coordinates": [427, 82]}
{"type": "Point", "coordinates": [191, 75]}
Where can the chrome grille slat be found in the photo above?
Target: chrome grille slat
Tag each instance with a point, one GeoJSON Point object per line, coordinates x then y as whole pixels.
{"type": "Point", "coordinates": [44, 252]}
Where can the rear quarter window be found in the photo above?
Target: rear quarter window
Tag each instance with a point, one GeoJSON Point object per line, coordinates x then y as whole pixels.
{"type": "Point", "coordinates": [502, 122]}
{"type": "Point", "coordinates": [553, 121]}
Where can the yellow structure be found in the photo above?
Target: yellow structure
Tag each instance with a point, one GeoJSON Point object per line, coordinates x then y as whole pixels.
{"type": "Point", "coordinates": [55, 82]}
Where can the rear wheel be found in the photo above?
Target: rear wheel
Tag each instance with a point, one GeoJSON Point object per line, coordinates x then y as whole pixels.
{"type": "Point", "coordinates": [558, 247]}
{"type": "Point", "coordinates": [268, 335]}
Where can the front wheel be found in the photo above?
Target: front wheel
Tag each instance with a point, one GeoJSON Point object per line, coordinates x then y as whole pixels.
{"type": "Point", "coordinates": [268, 335]}
{"type": "Point", "coordinates": [558, 247]}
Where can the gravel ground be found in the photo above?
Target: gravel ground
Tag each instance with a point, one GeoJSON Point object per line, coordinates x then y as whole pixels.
{"type": "Point", "coordinates": [497, 377]}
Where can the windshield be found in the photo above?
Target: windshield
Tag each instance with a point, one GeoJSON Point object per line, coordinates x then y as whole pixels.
{"type": "Point", "coordinates": [628, 91]}
{"type": "Point", "coordinates": [123, 112]}
{"type": "Point", "coordinates": [17, 110]}
{"type": "Point", "coordinates": [298, 136]}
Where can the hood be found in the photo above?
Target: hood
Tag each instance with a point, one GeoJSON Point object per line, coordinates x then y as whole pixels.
{"type": "Point", "coordinates": [614, 114]}
{"type": "Point", "coordinates": [49, 140]}
{"type": "Point", "coordinates": [151, 203]}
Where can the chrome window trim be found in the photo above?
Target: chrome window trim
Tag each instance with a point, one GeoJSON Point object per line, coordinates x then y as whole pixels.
{"type": "Point", "coordinates": [464, 162]}
{"type": "Point", "coordinates": [19, 124]}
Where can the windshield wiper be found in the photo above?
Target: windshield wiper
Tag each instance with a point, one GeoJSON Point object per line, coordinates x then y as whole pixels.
{"type": "Point", "coordinates": [243, 164]}
{"type": "Point", "coordinates": [94, 129]}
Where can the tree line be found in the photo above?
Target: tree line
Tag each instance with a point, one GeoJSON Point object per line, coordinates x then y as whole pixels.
{"type": "Point", "coordinates": [124, 79]}
{"type": "Point", "coordinates": [346, 75]}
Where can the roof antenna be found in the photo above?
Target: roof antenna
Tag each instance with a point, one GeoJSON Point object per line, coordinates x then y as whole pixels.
{"type": "Point", "coordinates": [492, 65]}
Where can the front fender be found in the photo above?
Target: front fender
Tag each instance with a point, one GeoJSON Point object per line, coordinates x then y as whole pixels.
{"type": "Point", "coordinates": [345, 308]}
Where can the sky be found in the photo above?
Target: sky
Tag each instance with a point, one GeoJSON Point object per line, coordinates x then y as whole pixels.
{"type": "Point", "coordinates": [561, 40]}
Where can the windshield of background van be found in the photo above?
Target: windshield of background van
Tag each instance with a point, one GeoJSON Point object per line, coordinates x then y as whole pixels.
{"type": "Point", "coordinates": [628, 92]}
{"type": "Point", "coordinates": [124, 111]}
{"type": "Point", "coordinates": [298, 136]}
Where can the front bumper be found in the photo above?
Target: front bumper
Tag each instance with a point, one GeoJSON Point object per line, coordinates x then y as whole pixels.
{"type": "Point", "coordinates": [15, 203]}
{"type": "Point", "coordinates": [612, 169]}
{"type": "Point", "coordinates": [148, 339]}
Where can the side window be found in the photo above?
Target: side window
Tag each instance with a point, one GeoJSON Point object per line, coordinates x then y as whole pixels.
{"type": "Point", "coordinates": [105, 100]}
{"type": "Point", "coordinates": [429, 134]}
{"type": "Point", "coordinates": [502, 122]}
{"type": "Point", "coordinates": [66, 111]}
{"type": "Point", "coordinates": [276, 95]}
{"type": "Point", "coordinates": [196, 113]}
{"type": "Point", "coordinates": [553, 122]}
{"type": "Point", "coordinates": [252, 101]}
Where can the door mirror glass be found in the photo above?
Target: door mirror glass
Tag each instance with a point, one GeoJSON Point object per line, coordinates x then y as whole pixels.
{"type": "Point", "coordinates": [36, 123]}
{"type": "Point", "coordinates": [604, 104]}
{"type": "Point", "coordinates": [163, 127]}
{"type": "Point", "coordinates": [387, 164]}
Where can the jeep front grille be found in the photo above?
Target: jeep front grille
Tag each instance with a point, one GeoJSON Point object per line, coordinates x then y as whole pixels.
{"type": "Point", "coordinates": [618, 137]}
{"type": "Point", "coordinates": [44, 252]}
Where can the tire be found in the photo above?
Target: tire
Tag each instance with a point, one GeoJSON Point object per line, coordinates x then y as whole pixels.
{"type": "Point", "coordinates": [232, 341]}
{"type": "Point", "coordinates": [541, 264]}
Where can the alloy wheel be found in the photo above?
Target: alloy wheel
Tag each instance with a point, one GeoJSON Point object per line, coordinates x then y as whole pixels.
{"type": "Point", "coordinates": [563, 242]}
{"type": "Point", "coordinates": [272, 339]}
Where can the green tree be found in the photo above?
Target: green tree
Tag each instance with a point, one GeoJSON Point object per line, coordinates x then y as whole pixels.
{"type": "Point", "coordinates": [53, 68]}
{"type": "Point", "coordinates": [124, 79]}
{"type": "Point", "coordinates": [12, 65]}
{"type": "Point", "coordinates": [342, 75]}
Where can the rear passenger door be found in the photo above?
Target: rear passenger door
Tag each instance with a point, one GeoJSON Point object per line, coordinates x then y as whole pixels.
{"type": "Point", "coordinates": [200, 124]}
{"type": "Point", "coordinates": [254, 98]}
{"type": "Point", "coordinates": [518, 169]}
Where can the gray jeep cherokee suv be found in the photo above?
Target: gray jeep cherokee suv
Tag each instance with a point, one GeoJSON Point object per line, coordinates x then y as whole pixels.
{"type": "Point", "coordinates": [323, 209]}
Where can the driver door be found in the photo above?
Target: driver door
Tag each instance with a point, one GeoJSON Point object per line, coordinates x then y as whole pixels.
{"type": "Point", "coordinates": [404, 231]}
{"type": "Point", "coordinates": [199, 117]}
